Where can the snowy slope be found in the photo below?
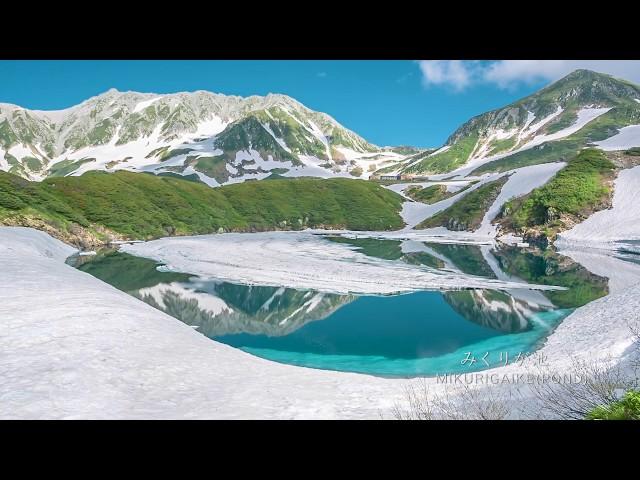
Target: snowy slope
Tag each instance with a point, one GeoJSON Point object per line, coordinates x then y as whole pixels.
{"type": "Point", "coordinates": [627, 137]}
{"type": "Point", "coordinates": [577, 108]}
{"type": "Point", "coordinates": [584, 117]}
{"type": "Point", "coordinates": [620, 223]}
{"type": "Point", "coordinates": [521, 182]}
{"type": "Point", "coordinates": [183, 133]}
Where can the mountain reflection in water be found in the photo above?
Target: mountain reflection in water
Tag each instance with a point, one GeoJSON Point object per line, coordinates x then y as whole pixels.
{"type": "Point", "coordinates": [276, 321]}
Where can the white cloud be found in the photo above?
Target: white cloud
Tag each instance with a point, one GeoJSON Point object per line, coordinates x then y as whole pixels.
{"type": "Point", "coordinates": [453, 73]}
{"type": "Point", "coordinates": [510, 73]}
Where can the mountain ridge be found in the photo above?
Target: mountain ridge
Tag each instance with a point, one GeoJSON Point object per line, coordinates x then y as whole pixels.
{"type": "Point", "coordinates": [547, 114]}
{"type": "Point", "coordinates": [33, 141]}
{"type": "Point", "coordinates": [219, 139]}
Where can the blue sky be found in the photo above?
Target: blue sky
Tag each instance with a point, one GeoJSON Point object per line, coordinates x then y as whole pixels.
{"type": "Point", "coordinates": [387, 102]}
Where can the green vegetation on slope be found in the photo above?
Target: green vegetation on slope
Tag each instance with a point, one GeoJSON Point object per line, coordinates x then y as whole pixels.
{"type": "Point", "coordinates": [433, 193]}
{"type": "Point", "coordinates": [428, 195]}
{"type": "Point", "coordinates": [134, 205]}
{"type": "Point", "coordinates": [503, 145]}
{"type": "Point", "coordinates": [627, 408]}
{"type": "Point", "coordinates": [313, 202]}
{"type": "Point", "coordinates": [456, 155]}
{"type": "Point", "coordinates": [577, 190]}
{"type": "Point", "coordinates": [557, 151]}
{"type": "Point", "coordinates": [467, 213]}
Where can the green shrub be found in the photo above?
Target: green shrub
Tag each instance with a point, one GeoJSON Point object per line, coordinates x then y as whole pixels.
{"type": "Point", "coordinates": [140, 205]}
{"type": "Point", "coordinates": [577, 188]}
{"type": "Point", "coordinates": [627, 408]}
{"type": "Point", "coordinates": [468, 212]}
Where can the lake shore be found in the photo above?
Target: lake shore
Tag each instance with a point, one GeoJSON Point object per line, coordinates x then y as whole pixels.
{"type": "Point", "coordinates": [75, 347]}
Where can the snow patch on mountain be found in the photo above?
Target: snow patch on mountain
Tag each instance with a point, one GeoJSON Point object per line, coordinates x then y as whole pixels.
{"type": "Point", "coordinates": [530, 130]}
{"type": "Point", "coordinates": [627, 137]}
{"type": "Point", "coordinates": [144, 104]}
{"type": "Point", "coordinates": [520, 182]}
{"type": "Point", "coordinates": [584, 115]}
{"type": "Point", "coordinates": [210, 127]}
{"type": "Point", "coordinates": [617, 224]}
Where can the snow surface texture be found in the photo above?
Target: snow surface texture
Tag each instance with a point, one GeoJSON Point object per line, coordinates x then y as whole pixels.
{"type": "Point", "coordinates": [627, 137]}
{"type": "Point", "coordinates": [74, 347]}
{"type": "Point", "coordinates": [606, 227]}
{"type": "Point", "coordinates": [300, 260]}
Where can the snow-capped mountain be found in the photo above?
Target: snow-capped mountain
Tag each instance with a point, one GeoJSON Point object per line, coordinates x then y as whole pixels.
{"type": "Point", "coordinates": [583, 108]}
{"type": "Point", "coordinates": [221, 139]}
{"type": "Point", "coordinates": [218, 138]}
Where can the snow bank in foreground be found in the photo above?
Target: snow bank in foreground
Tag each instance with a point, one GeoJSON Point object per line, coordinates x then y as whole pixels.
{"type": "Point", "coordinates": [85, 350]}
{"type": "Point", "coordinates": [622, 222]}
{"type": "Point", "coordinates": [300, 260]}
{"type": "Point", "coordinates": [21, 241]}
{"type": "Point", "coordinates": [74, 347]}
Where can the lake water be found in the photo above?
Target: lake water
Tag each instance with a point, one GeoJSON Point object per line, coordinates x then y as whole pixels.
{"type": "Point", "coordinates": [415, 334]}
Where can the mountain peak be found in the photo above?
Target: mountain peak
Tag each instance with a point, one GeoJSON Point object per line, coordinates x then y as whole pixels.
{"type": "Point", "coordinates": [584, 73]}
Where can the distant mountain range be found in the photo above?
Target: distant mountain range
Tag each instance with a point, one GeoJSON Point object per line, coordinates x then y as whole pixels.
{"type": "Point", "coordinates": [214, 138]}
{"type": "Point", "coordinates": [219, 139]}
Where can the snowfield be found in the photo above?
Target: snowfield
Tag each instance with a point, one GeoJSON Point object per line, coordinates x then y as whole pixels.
{"type": "Point", "coordinates": [627, 137]}
{"type": "Point", "coordinates": [73, 347]}
{"type": "Point", "coordinates": [300, 260]}
{"type": "Point", "coordinates": [606, 227]}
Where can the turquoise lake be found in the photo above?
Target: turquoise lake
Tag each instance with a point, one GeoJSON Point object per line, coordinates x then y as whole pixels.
{"type": "Point", "coordinates": [416, 334]}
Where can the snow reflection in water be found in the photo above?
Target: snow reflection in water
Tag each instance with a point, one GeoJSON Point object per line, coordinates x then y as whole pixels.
{"type": "Point", "coordinates": [421, 333]}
